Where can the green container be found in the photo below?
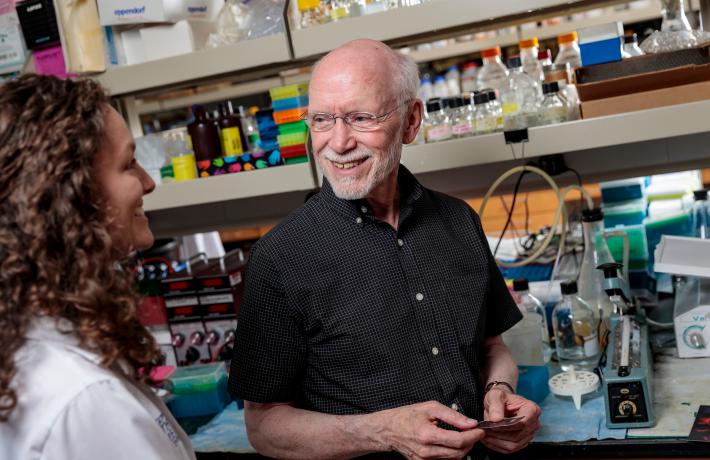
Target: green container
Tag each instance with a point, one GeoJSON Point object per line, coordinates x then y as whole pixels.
{"type": "Point", "coordinates": [296, 160]}
{"type": "Point", "coordinates": [287, 140]}
{"type": "Point", "coordinates": [638, 246]}
{"type": "Point", "coordinates": [294, 127]}
{"type": "Point", "coordinates": [198, 390]}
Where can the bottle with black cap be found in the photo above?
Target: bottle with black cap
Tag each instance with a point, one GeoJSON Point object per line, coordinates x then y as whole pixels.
{"type": "Point", "coordinates": [596, 253]}
{"type": "Point", "coordinates": [533, 311]}
{"type": "Point", "coordinates": [496, 108]}
{"type": "Point", "coordinates": [485, 119]}
{"type": "Point", "coordinates": [461, 118]}
{"type": "Point", "coordinates": [553, 109]}
{"type": "Point", "coordinates": [701, 217]}
{"type": "Point", "coordinates": [438, 124]}
{"type": "Point", "coordinates": [575, 328]}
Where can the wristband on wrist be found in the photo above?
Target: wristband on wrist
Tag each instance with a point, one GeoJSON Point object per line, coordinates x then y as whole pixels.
{"type": "Point", "coordinates": [496, 383]}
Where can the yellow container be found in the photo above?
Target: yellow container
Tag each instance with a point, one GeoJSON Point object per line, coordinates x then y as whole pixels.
{"type": "Point", "coordinates": [184, 167]}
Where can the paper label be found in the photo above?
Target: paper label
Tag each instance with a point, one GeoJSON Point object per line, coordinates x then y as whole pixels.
{"type": "Point", "coordinates": [461, 129]}
{"type": "Point", "coordinates": [438, 133]}
{"type": "Point", "coordinates": [184, 167]}
{"type": "Point", "coordinates": [12, 50]}
{"type": "Point", "coordinates": [486, 124]}
{"type": "Point", "coordinates": [510, 107]}
{"type": "Point", "coordinates": [231, 142]}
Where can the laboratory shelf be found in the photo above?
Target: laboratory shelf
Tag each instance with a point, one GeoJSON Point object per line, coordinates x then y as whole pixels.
{"type": "Point", "coordinates": [591, 136]}
{"type": "Point", "coordinates": [248, 184]}
{"type": "Point", "coordinates": [505, 38]}
{"type": "Point", "coordinates": [203, 64]}
{"type": "Point", "coordinates": [437, 16]}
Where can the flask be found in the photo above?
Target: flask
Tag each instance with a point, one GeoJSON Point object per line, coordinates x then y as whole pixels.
{"type": "Point", "coordinates": [493, 73]}
{"type": "Point", "coordinates": [591, 280]}
{"type": "Point", "coordinates": [575, 328]}
{"type": "Point", "coordinates": [568, 92]}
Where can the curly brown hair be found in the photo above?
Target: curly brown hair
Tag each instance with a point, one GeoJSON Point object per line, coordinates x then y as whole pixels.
{"type": "Point", "coordinates": [57, 256]}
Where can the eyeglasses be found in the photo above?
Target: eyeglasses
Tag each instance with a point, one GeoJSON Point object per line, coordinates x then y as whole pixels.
{"type": "Point", "coordinates": [359, 121]}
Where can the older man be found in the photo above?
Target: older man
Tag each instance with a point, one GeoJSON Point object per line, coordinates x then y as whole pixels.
{"type": "Point", "coordinates": [372, 316]}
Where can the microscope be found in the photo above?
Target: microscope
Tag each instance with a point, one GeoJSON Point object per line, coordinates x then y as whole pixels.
{"type": "Point", "coordinates": [628, 367]}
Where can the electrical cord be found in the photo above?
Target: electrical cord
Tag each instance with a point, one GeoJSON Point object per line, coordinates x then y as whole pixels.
{"type": "Point", "coordinates": [559, 220]}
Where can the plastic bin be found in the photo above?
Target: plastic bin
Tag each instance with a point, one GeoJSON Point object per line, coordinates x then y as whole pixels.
{"type": "Point", "coordinates": [625, 213]}
{"type": "Point", "coordinates": [288, 91]}
{"type": "Point", "coordinates": [679, 224]}
{"type": "Point", "coordinates": [289, 116]}
{"type": "Point", "coordinates": [290, 103]}
{"type": "Point", "coordinates": [294, 127]}
{"type": "Point", "coordinates": [623, 190]}
{"type": "Point", "coordinates": [290, 139]}
{"type": "Point", "coordinates": [198, 390]}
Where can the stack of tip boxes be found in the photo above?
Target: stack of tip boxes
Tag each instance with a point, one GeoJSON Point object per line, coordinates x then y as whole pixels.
{"type": "Point", "coordinates": [289, 104]}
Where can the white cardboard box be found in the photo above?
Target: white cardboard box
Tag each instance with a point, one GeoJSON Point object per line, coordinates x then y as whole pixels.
{"type": "Point", "coordinates": [167, 40]}
{"type": "Point", "coordinates": [121, 12]}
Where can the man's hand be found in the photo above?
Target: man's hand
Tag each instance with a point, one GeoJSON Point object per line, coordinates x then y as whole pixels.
{"type": "Point", "coordinates": [498, 404]}
{"type": "Point", "coordinates": [413, 431]}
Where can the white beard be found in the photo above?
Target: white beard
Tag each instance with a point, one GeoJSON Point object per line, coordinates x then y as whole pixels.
{"type": "Point", "coordinates": [354, 187]}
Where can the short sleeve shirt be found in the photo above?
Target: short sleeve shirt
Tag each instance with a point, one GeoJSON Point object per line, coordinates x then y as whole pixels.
{"type": "Point", "coordinates": [343, 314]}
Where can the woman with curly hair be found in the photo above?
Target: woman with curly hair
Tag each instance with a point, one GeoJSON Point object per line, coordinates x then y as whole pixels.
{"type": "Point", "coordinates": [72, 352]}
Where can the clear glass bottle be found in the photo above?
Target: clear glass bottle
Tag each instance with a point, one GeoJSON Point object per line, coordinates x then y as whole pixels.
{"type": "Point", "coordinates": [493, 73]}
{"type": "Point", "coordinates": [496, 108]}
{"type": "Point", "coordinates": [520, 98]}
{"type": "Point", "coordinates": [631, 47]}
{"type": "Point", "coordinates": [575, 329]}
{"type": "Point", "coordinates": [426, 89]}
{"type": "Point", "coordinates": [553, 109]}
{"type": "Point", "coordinates": [700, 214]}
{"type": "Point", "coordinates": [469, 77]}
{"type": "Point", "coordinates": [528, 55]}
{"type": "Point", "coordinates": [313, 12]}
{"type": "Point", "coordinates": [544, 57]}
{"type": "Point", "coordinates": [462, 121]}
{"type": "Point", "coordinates": [339, 9]}
{"type": "Point", "coordinates": [453, 81]}
{"type": "Point", "coordinates": [533, 310]}
{"type": "Point", "coordinates": [440, 88]}
{"type": "Point", "coordinates": [485, 118]}
{"type": "Point", "coordinates": [568, 91]}
{"type": "Point", "coordinates": [438, 124]}
{"type": "Point", "coordinates": [569, 51]}
{"type": "Point", "coordinates": [674, 18]}
{"type": "Point", "coordinates": [591, 280]}
{"type": "Point", "coordinates": [251, 129]}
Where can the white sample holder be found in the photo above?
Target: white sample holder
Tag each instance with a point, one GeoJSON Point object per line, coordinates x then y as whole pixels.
{"type": "Point", "coordinates": [574, 383]}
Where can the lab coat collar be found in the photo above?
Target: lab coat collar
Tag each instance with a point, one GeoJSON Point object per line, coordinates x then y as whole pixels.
{"type": "Point", "coordinates": [60, 331]}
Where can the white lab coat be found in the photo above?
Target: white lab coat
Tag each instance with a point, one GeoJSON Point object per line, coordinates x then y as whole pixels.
{"type": "Point", "coordinates": [70, 408]}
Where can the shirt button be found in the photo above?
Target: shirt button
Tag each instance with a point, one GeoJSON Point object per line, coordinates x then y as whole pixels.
{"type": "Point", "coordinates": [455, 406]}
{"type": "Point", "coordinates": [364, 209]}
{"type": "Point", "coordinates": [420, 296]}
{"type": "Point", "coordinates": [434, 351]}
{"type": "Point", "coordinates": [400, 242]}
{"type": "Point", "coordinates": [358, 220]}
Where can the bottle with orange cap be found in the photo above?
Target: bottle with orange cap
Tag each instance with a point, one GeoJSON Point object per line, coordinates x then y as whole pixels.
{"type": "Point", "coordinates": [528, 55]}
{"type": "Point", "coordinates": [493, 74]}
{"type": "Point", "coordinates": [569, 51]}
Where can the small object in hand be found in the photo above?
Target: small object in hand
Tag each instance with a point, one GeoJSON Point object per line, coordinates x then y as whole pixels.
{"type": "Point", "coordinates": [506, 422]}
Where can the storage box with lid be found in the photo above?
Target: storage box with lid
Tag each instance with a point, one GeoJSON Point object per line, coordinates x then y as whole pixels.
{"type": "Point", "coordinates": [198, 390]}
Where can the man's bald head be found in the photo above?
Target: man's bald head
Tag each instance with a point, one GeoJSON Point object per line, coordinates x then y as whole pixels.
{"type": "Point", "coordinates": [371, 63]}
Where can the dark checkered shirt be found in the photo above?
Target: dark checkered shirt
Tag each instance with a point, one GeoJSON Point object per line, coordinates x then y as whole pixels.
{"type": "Point", "coordinates": [345, 315]}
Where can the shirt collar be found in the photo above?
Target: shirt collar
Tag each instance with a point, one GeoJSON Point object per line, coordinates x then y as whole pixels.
{"type": "Point", "coordinates": [60, 332]}
{"type": "Point", "coordinates": [410, 192]}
